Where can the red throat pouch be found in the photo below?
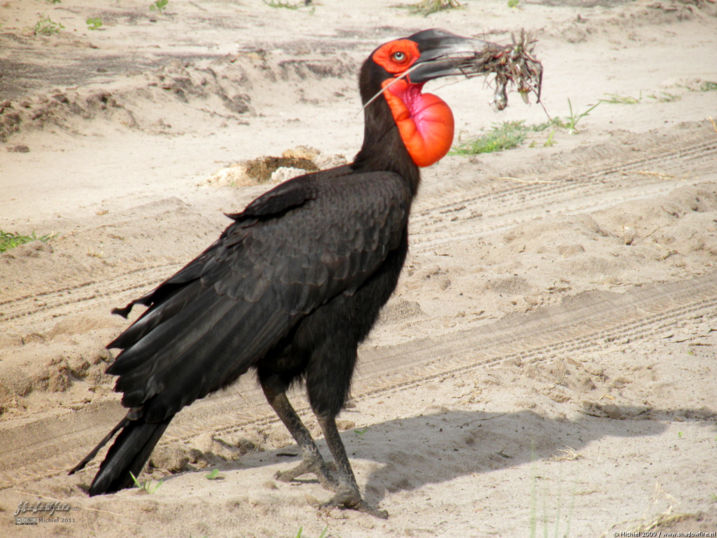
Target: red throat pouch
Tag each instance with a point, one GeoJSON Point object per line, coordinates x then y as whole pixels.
{"type": "Point", "coordinates": [424, 120]}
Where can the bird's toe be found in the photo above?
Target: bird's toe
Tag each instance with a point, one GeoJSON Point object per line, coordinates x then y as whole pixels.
{"type": "Point", "coordinates": [325, 473]}
{"type": "Point", "coordinates": [347, 498]}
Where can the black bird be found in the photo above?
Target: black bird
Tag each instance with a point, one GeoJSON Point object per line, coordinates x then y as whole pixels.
{"type": "Point", "coordinates": [296, 282]}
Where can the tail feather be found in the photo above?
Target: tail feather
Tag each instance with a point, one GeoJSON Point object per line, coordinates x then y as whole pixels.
{"type": "Point", "coordinates": [128, 454]}
{"type": "Point", "coordinates": [87, 459]}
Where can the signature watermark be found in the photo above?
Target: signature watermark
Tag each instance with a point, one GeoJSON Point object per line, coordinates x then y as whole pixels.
{"type": "Point", "coordinates": [665, 534]}
{"type": "Point", "coordinates": [43, 512]}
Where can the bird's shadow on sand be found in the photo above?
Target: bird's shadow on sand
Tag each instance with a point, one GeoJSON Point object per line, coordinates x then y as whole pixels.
{"type": "Point", "coordinates": [441, 446]}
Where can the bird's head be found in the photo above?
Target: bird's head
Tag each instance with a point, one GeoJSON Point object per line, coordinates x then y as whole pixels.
{"type": "Point", "coordinates": [396, 71]}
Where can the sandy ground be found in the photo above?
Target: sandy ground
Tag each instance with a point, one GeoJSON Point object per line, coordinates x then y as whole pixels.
{"type": "Point", "coordinates": [547, 364]}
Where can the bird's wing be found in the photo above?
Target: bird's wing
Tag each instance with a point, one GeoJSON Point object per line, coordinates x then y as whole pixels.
{"type": "Point", "coordinates": [288, 253]}
{"type": "Point", "coordinates": [273, 203]}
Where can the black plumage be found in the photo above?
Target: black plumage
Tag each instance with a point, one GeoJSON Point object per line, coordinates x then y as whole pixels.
{"type": "Point", "coordinates": [290, 289]}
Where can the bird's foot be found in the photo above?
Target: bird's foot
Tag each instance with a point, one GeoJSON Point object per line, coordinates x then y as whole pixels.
{"type": "Point", "coordinates": [348, 498]}
{"type": "Point", "coordinates": [325, 472]}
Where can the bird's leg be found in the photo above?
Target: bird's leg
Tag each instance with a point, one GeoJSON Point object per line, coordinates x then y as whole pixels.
{"type": "Point", "coordinates": [312, 462]}
{"type": "Point", "coordinates": [347, 492]}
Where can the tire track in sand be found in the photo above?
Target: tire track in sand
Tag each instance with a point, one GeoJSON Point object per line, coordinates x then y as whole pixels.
{"type": "Point", "coordinates": [564, 192]}
{"type": "Point", "coordinates": [49, 446]}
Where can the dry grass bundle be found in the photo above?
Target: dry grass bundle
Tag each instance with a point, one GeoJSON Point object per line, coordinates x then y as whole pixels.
{"type": "Point", "coordinates": [512, 64]}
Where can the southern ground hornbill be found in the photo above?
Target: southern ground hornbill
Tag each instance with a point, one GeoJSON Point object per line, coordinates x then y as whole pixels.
{"type": "Point", "coordinates": [293, 285]}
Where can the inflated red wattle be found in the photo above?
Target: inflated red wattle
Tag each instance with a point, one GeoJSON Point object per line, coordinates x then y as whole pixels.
{"type": "Point", "coordinates": [424, 121]}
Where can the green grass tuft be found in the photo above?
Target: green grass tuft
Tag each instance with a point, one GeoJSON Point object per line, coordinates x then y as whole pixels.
{"type": "Point", "coordinates": [283, 5]}
{"type": "Point", "coordinates": [569, 122]}
{"type": "Point", "coordinates": [47, 27]}
{"type": "Point", "coordinates": [146, 485]}
{"type": "Point", "coordinates": [549, 142]}
{"type": "Point", "coordinates": [214, 475]}
{"type": "Point", "coordinates": [511, 134]}
{"type": "Point", "coordinates": [11, 240]}
{"type": "Point", "coordinates": [159, 5]}
{"type": "Point", "coordinates": [323, 534]}
{"type": "Point", "coordinates": [94, 23]}
{"type": "Point", "coordinates": [616, 99]}
{"type": "Point", "coordinates": [428, 7]}
{"type": "Point", "coordinates": [502, 136]}
{"type": "Point", "coordinates": [664, 97]}
{"type": "Point", "coordinates": [558, 518]}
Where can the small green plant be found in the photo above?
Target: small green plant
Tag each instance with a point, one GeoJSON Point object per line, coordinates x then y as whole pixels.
{"type": "Point", "coordinates": [146, 485]}
{"type": "Point", "coordinates": [573, 120]}
{"type": "Point", "coordinates": [284, 5]}
{"type": "Point", "coordinates": [664, 97]}
{"type": "Point", "coordinates": [360, 431]}
{"type": "Point", "coordinates": [47, 27]}
{"type": "Point", "coordinates": [428, 7]}
{"type": "Point", "coordinates": [11, 240]}
{"type": "Point", "coordinates": [94, 23]}
{"type": "Point", "coordinates": [506, 135]}
{"type": "Point", "coordinates": [513, 3]}
{"type": "Point", "coordinates": [159, 5]}
{"type": "Point", "coordinates": [322, 535]}
{"type": "Point", "coordinates": [708, 86]}
{"type": "Point", "coordinates": [53, 1]}
{"type": "Point", "coordinates": [213, 475]}
{"type": "Point", "coordinates": [570, 122]}
{"type": "Point", "coordinates": [511, 134]}
{"type": "Point", "coordinates": [616, 99]}
{"type": "Point", "coordinates": [558, 517]}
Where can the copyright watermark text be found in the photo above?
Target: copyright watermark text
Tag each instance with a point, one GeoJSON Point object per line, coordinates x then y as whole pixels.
{"type": "Point", "coordinates": [43, 512]}
{"type": "Point", "coordinates": [665, 534]}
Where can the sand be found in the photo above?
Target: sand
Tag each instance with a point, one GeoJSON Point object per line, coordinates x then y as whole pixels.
{"type": "Point", "coordinates": [547, 363]}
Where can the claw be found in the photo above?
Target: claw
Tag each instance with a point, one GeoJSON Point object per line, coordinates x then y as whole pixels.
{"type": "Point", "coordinates": [350, 499]}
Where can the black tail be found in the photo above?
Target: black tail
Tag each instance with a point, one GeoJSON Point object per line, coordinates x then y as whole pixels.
{"type": "Point", "coordinates": [128, 454]}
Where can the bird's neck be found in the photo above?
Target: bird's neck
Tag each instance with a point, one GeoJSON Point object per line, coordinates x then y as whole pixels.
{"type": "Point", "coordinates": [383, 148]}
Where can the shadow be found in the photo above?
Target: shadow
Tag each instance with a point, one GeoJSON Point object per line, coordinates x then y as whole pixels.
{"type": "Point", "coordinates": [439, 447]}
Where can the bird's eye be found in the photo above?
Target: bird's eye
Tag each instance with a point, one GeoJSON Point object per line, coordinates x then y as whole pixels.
{"type": "Point", "coordinates": [398, 56]}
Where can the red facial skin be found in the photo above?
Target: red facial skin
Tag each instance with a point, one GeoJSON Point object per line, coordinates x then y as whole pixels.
{"type": "Point", "coordinates": [424, 120]}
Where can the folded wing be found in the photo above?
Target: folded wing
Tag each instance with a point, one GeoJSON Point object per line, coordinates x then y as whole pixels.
{"type": "Point", "coordinates": [292, 250]}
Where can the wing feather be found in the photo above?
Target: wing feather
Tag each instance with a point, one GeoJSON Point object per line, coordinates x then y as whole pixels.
{"type": "Point", "coordinates": [289, 252]}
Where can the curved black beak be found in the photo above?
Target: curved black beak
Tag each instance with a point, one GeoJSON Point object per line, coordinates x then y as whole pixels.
{"type": "Point", "coordinates": [445, 54]}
